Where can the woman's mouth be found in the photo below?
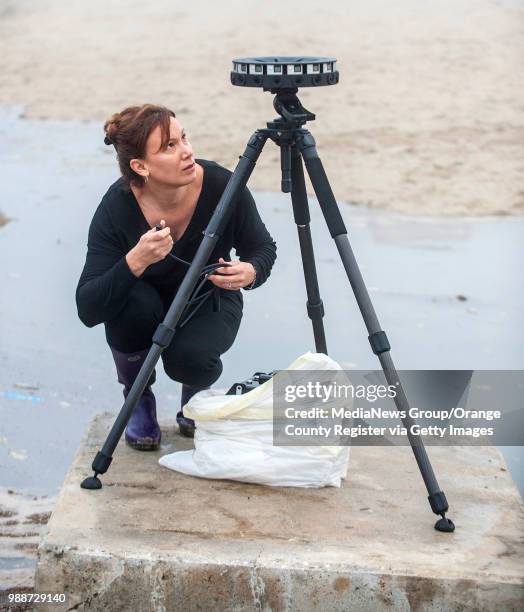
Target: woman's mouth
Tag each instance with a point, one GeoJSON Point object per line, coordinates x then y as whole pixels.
{"type": "Point", "coordinates": [188, 168]}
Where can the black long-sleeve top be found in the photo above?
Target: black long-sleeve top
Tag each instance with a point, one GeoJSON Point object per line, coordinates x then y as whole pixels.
{"type": "Point", "coordinates": [118, 223]}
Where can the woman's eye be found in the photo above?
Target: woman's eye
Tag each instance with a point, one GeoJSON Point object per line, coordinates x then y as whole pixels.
{"type": "Point", "coordinates": [171, 144]}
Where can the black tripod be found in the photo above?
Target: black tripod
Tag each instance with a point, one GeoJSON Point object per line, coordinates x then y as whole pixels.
{"type": "Point", "coordinates": [296, 143]}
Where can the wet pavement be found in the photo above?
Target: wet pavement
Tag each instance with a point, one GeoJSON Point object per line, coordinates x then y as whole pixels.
{"type": "Point", "coordinates": [448, 292]}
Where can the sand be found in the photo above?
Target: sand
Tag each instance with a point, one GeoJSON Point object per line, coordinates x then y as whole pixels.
{"type": "Point", "coordinates": [23, 521]}
{"type": "Point", "coordinates": [428, 117]}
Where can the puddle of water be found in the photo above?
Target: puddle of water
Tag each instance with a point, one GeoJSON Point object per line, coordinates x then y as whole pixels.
{"type": "Point", "coordinates": [16, 563]}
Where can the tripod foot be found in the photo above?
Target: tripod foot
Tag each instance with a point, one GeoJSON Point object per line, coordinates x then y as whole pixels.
{"type": "Point", "coordinates": [445, 524]}
{"type": "Point", "coordinates": [91, 482]}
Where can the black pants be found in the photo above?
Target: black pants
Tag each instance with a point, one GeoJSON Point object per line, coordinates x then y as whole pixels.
{"type": "Point", "coordinates": [193, 357]}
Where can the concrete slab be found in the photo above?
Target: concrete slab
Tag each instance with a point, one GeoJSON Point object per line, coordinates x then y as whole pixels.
{"type": "Point", "coordinates": [153, 539]}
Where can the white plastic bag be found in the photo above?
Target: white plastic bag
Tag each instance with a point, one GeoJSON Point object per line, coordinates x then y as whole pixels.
{"type": "Point", "coordinates": [234, 439]}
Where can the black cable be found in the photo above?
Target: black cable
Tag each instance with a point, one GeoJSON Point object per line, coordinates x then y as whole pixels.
{"type": "Point", "coordinates": [197, 299]}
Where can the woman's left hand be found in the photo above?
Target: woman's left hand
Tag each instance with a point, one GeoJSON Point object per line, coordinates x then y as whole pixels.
{"type": "Point", "coordinates": [236, 275]}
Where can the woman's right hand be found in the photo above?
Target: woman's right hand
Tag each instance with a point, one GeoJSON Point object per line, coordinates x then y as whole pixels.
{"type": "Point", "coordinates": [153, 246]}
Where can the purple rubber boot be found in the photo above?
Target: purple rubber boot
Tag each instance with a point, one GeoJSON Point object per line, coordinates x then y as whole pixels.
{"type": "Point", "coordinates": [142, 431]}
{"type": "Point", "coordinates": [187, 426]}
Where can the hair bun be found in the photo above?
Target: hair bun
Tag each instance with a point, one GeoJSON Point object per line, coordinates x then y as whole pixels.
{"type": "Point", "coordinates": [111, 127]}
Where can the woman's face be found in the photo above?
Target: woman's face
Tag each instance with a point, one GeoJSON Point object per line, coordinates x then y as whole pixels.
{"type": "Point", "coordinates": [173, 164]}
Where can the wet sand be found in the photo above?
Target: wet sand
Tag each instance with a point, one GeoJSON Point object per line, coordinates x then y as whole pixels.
{"type": "Point", "coordinates": [23, 520]}
{"type": "Point", "coordinates": [428, 117]}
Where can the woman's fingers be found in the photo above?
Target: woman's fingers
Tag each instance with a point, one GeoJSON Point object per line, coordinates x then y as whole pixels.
{"type": "Point", "coordinates": [160, 234]}
{"type": "Point", "coordinates": [234, 279]}
{"type": "Point", "coordinates": [158, 242]}
{"type": "Point", "coordinates": [227, 268]}
{"type": "Point", "coordinates": [221, 281]}
{"type": "Point", "coordinates": [158, 226]}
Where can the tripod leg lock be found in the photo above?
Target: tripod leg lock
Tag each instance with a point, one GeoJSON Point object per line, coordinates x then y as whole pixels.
{"type": "Point", "coordinates": [306, 144]}
{"type": "Point", "coordinates": [438, 502]}
{"type": "Point", "coordinates": [379, 342]}
{"type": "Point", "coordinates": [315, 311]}
{"type": "Point", "coordinates": [101, 463]}
{"type": "Point", "coordinates": [163, 335]}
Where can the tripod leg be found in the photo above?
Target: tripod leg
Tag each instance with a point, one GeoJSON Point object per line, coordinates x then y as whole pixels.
{"type": "Point", "coordinates": [165, 331]}
{"type": "Point", "coordinates": [377, 337]}
{"type": "Point", "coordinates": [315, 308]}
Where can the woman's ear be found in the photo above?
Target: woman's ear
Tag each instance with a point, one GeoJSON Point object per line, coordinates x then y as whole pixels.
{"type": "Point", "coordinates": [138, 166]}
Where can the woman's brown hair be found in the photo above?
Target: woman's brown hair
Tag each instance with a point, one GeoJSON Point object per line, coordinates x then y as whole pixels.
{"type": "Point", "coordinates": [129, 130]}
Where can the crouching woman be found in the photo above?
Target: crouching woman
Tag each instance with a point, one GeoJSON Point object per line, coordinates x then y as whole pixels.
{"type": "Point", "coordinates": [142, 238]}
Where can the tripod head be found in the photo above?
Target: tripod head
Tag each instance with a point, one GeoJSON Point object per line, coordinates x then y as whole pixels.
{"type": "Point", "coordinates": [282, 76]}
{"type": "Point", "coordinates": [290, 109]}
